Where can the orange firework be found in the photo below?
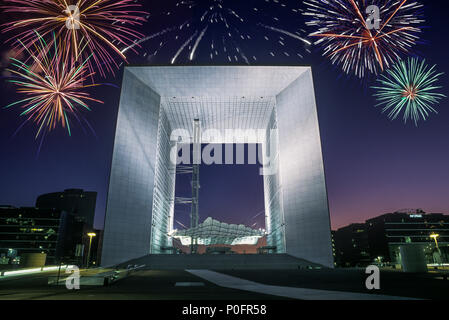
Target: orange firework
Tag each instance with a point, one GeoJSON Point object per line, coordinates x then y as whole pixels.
{"type": "Point", "coordinates": [364, 35]}
{"type": "Point", "coordinates": [102, 27]}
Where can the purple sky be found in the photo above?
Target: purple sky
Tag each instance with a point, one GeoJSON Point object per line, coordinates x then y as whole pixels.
{"type": "Point", "coordinates": [372, 165]}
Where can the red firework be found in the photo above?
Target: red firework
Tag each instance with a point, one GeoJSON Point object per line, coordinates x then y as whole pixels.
{"type": "Point", "coordinates": [97, 27]}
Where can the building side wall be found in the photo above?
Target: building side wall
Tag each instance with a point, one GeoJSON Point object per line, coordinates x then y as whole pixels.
{"type": "Point", "coordinates": [274, 217]}
{"type": "Point", "coordinates": [130, 198]}
{"type": "Point", "coordinates": [304, 197]}
{"type": "Point", "coordinates": [164, 189]}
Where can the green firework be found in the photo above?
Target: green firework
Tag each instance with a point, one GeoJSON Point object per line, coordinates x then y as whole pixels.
{"type": "Point", "coordinates": [409, 87]}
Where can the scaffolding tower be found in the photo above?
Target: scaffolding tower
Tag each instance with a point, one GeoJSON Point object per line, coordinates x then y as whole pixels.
{"type": "Point", "coordinates": [194, 215]}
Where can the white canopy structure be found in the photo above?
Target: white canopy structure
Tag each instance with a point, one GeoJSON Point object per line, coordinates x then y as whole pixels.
{"type": "Point", "coordinates": [215, 232]}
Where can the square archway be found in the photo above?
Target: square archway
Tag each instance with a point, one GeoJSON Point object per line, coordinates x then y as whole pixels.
{"type": "Point", "coordinates": [157, 100]}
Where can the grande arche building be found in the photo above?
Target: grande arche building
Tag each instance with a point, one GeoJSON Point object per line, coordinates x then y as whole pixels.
{"type": "Point", "coordinates": [155, 100]}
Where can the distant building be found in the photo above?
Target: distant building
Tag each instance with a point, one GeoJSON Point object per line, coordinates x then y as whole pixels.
{"type": "Point", "coordinates": [62, 236]}
{"type": "Point", "coordinates": [388, 231]}
{"type": "Point", "coordinates": [351, 245]}
{"type": "Point", "coordinates": [334, 254]}
{"type": "Point", "coordinates": [381, 237]}
{"type": "Point", "coordinates": [33, 230]}
{"type": "Point", "coordinates": [75, 201]}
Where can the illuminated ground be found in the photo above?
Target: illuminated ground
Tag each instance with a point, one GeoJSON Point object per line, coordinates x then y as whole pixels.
{"type": "Point", "coordinates": [161, 285]}
{"type": "Point", "coordinates": [148, 284]}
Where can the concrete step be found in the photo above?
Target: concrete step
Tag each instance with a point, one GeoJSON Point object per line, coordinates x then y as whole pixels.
{"type": "Point", "coordinates": [220, 262]}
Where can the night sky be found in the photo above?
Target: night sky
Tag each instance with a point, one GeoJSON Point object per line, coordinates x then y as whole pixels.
{"type": "Point", "coordinates": [373, 165]}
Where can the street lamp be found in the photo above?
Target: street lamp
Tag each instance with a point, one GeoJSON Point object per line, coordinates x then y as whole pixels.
{"type": "Point", "coordinates": [435, 236]}
{"type": "Point", "coordinates": [91, 235]}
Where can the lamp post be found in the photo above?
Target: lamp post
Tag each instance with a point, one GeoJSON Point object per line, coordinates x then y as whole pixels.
{"type": "Point", "coordinates": [435, 236]}
{"type": "Point", "coordinates": [91, 235]}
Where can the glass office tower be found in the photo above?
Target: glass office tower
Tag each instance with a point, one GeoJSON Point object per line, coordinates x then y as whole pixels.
{"type": "Point", "coordinates": [159, 100]}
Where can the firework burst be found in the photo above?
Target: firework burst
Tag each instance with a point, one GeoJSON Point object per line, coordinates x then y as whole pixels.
{"type": "Point", "coordinates": [409, 88]}
{"type": "Point", "coordinates": [228, 30]}
{"type": "Point", "coordinates": [361, 43]}
{"type": "Point", "coordinates": [52, 85]}
{"type": "Point", "coordinates": [99, 26]}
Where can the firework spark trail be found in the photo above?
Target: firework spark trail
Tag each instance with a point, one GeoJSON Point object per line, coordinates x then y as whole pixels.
{"type": "Point", "coordinates": [349, 42]}
{"type": "Point", "coordinates": [52, 83]}
{"type": "Point", "coordinates": [197, 42]}
{"type": "Point", "coordinates": [155, 35]}
{"type": "Point", "coordinates": [226, 32]}
{"type": "Point", "coordinates": [288, 33]}
{"type": "Point", "coordinates": [182, 47]}
{"type": "Point", "coordinates": [409, 87]}
{"type": "Point", "coordinates": [242, 55]}
{"type": "Point", "coordinates": [97, 26]}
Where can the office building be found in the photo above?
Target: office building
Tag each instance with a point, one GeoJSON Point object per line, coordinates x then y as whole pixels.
{"type": "Point", "coordinates": [379, 239]}
{"type": "Point", "coordinates": [351, 246]}
{"type": "Point", "coordinates": [75, 201]}
{"type": "Point", "coordinates": [37, 230]}
{"type": "Point", "coordinates": [60, 235]}
{"type": "Point", "coordinates": [389, 231]}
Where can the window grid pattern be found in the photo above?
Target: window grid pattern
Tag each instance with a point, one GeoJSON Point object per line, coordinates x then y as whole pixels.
{"type": "Point", "coordinates": [272, 189]}
{"type": "Point", "coordinates": [164, 189]}
{"type": "Point", "coordinates": [219, 113]}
